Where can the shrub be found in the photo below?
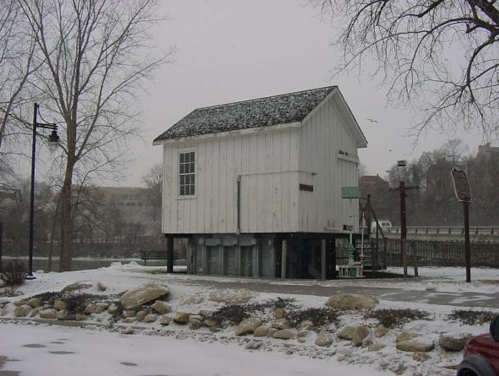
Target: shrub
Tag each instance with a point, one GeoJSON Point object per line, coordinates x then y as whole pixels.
{"type": "Point", "coordinates": [318, 316]}
{"type": "Point", "coordinates": [469, 317]}
{"type": "Point", "coordinates": [78, 303]}
{"type": "Point", "coordinates": [14, 273]}
{"type": "Point", "coordinates": [391, 318]}
{"type": "Point", "coordinates": [75, 303]}
{"type": "Point", "coordinates": [235, 313]}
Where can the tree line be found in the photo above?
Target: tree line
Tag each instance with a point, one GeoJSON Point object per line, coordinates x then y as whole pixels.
{"type": "Point", "coordinates": [103, 226]}
{"type": "Point", "coordinates": [432, 200]}
{"type": "Point", "coordinates": [85, 62]}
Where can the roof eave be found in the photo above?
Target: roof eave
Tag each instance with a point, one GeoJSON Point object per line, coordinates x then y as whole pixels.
{"type": "Point", "coordinates": [235, 133]}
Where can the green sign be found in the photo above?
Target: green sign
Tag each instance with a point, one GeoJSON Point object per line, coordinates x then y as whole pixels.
{"type": "Point", "coordinates": [350, 192]}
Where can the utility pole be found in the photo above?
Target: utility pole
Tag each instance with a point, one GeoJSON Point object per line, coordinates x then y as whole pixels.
{"type": "Point", "coordinates": [402, 188]}
{"type": "Point", "coordinates": [403, 226]}
{"type": "Point", "coordinates": [463, 194]}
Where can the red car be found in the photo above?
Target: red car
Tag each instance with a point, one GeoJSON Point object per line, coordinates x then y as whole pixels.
{"type": "Point", "coordinates": [481, 354]}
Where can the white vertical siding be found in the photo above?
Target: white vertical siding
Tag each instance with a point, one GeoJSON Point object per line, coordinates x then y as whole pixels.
{"type": "Point", "coordinates": [322, 136]}
{"type": "Point", "coordinates": [268, 165]}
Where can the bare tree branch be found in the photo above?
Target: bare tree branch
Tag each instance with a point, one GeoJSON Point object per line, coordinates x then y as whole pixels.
{"type": "Point", "coordinates": [440, 56]}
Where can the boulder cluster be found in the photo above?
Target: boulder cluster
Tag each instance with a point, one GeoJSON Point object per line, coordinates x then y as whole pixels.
{"type": "Point", "coordinates": [149, 303]}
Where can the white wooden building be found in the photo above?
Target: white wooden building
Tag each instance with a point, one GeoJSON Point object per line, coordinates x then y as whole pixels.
{"type": "Point", "coordinates": [253, 183]}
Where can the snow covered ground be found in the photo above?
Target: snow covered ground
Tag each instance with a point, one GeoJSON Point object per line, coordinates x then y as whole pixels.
{"type": "Point", "coordinates": [103, 349]}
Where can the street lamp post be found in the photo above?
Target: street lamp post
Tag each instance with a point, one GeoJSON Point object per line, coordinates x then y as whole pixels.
{"type": "Point", "coordinates": [53, 139]}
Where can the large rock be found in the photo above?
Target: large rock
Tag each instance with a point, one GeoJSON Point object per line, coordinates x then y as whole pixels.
{"type": "Point", "coordinates": [280, 313]}
{"type": "Point", "coordinates": [346, 332]}
{"type": "Point", "coordinates": [181, 317]}
{"type": "Point", "coordinates": [60, 304]}
{"type": "Point", "coordinates": [161, 307]}
{"type": "Point", "coordinates": [80, 317]}
{"type": "Point", "coordinates": [280, 324]}
{"type": "Point", "coordinates": [114, 309]}
{"type": "Point", "coordinates": [248, 326]}
{"type": "Point", "coordinates": [212, 323]}
{"type": "Point", "coordinates": [50, 314]}
{"type": "Point", "coordinates": [230, 296]}
{"type": "Point", "coordinates": [143, 294]}
{"type": "Point", "coordinates": [195, 321]}
{"type": "Point", "coordinates": [64, 315]}
{"type": "Point", "coordinates": [141, 315]}
{"type": "Point", "coordinates": [406, 336]}
{"type": "Point", "coordinates": [415, 346]}
{"type": "Point", "coordinates": [359, 334]}
{"type": "Point", "coordinates": [454, 343]}
{"type": "Point", "coordinates": [380, 331]}
{"type": "Point", "coordinates": [305, 325]}
{"type": "Point", "coordinates": [164, 320]}
{"type": "Point", "coordinates": [34, 303]}
{"type": "Point", "coordinates": [22, 311]}
{"type": "Point", "coordinates": [352, 301]}
{"type": "Point", "coordinates": [376, 347]}
{"type": "Point", "coordinates": [261, 331]}
{"type": "Point", "coordinates": [284, 334]}
{"type": "Point", "coordinates": [151, 317]}
{"type": "Point", "coordinates": [324, 339]}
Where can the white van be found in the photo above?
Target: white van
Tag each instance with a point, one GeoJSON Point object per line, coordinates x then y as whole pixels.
{"type": "Point", "coordinates": [385, 225]}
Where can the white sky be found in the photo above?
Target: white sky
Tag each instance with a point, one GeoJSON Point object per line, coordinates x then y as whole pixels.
{"type": "Point", "coordinates": [231, 50]}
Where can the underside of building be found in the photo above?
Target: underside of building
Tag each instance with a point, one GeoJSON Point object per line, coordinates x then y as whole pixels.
{"type": "Point", "coordinates": [284, 255]}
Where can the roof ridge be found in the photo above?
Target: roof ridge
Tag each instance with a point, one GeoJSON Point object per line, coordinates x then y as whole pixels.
{"type": "Point", "coordinates": [264, 98]}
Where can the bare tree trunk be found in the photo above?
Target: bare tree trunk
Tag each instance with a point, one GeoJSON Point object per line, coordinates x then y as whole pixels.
{"type": "Point", "coordinates": [66, 224]}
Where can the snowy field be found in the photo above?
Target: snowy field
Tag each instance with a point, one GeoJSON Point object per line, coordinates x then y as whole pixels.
{"type": "Point", "coordinates": [102, 349]}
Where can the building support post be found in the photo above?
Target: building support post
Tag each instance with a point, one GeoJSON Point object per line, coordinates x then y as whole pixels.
{"type": "Point", "coordinates": [169, 254]}
{"type": "Point", "coordinates": [284, 259]}
{"type": "Point", "coordinates": [323, 259]}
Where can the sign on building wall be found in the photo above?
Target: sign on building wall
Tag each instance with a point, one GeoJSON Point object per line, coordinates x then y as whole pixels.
{"type": "Point", "coordinates": [350, 192]}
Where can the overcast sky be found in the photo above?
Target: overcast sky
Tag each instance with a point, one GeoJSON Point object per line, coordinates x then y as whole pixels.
{"type": "Point", "coordinates": [232, 50]}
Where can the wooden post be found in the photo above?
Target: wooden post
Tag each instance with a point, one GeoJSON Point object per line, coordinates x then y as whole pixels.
{"type": "Point", "coordinates": [284, 258]}
{"type": "Point", "coordinates": [323, 259]}
{"type": "Point", "coordinates": [330, 259]}
{"type": "Point", "coordinates": [169, 254]}
{"type": "Point", "coordinates": [403, 227]}
{"type": "Point", "coordinates": [467, 251]}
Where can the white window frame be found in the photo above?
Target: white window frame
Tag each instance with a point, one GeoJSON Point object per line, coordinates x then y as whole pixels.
{"type": "Point", "coordinates": [186, 173]}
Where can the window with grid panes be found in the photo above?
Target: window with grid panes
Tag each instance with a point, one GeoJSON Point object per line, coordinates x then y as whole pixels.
{"type": "Point", "coordinates": [187, 175]}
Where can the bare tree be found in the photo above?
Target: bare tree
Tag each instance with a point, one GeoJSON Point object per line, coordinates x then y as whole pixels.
{"type": "Point", "coordinates": [94, 56]}
{"type": "Point", "coordinates": [16, 52]}
{"type": "Point", "coordinates": [154, 182]}
{"type": "Point", "coordinates": [439, 55]}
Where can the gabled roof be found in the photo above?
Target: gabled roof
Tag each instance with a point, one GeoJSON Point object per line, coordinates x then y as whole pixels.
{"type": "Point", "coordinates": [255, 113]}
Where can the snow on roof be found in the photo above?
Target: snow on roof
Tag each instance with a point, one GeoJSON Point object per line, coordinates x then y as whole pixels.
{"type": "Point", "coordinates": [254, 113]}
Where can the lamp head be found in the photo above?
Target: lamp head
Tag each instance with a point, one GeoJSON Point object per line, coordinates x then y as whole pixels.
{"type": "Point", "coordinates": [53, 140]}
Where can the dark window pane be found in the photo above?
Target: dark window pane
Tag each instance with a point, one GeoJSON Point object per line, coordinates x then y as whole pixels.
{"type": "Point", "coordinates": [182, 190]}
{"type": "Point", "coordinates": [193, 158]}
{"type": "Point", "coordinates": [182, 168]}
{"type": "Point", "coordinates": [182, 157]}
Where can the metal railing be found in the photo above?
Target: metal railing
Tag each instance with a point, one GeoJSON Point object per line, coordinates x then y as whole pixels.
{"type": "Point", "coordinates": [449, 230]}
